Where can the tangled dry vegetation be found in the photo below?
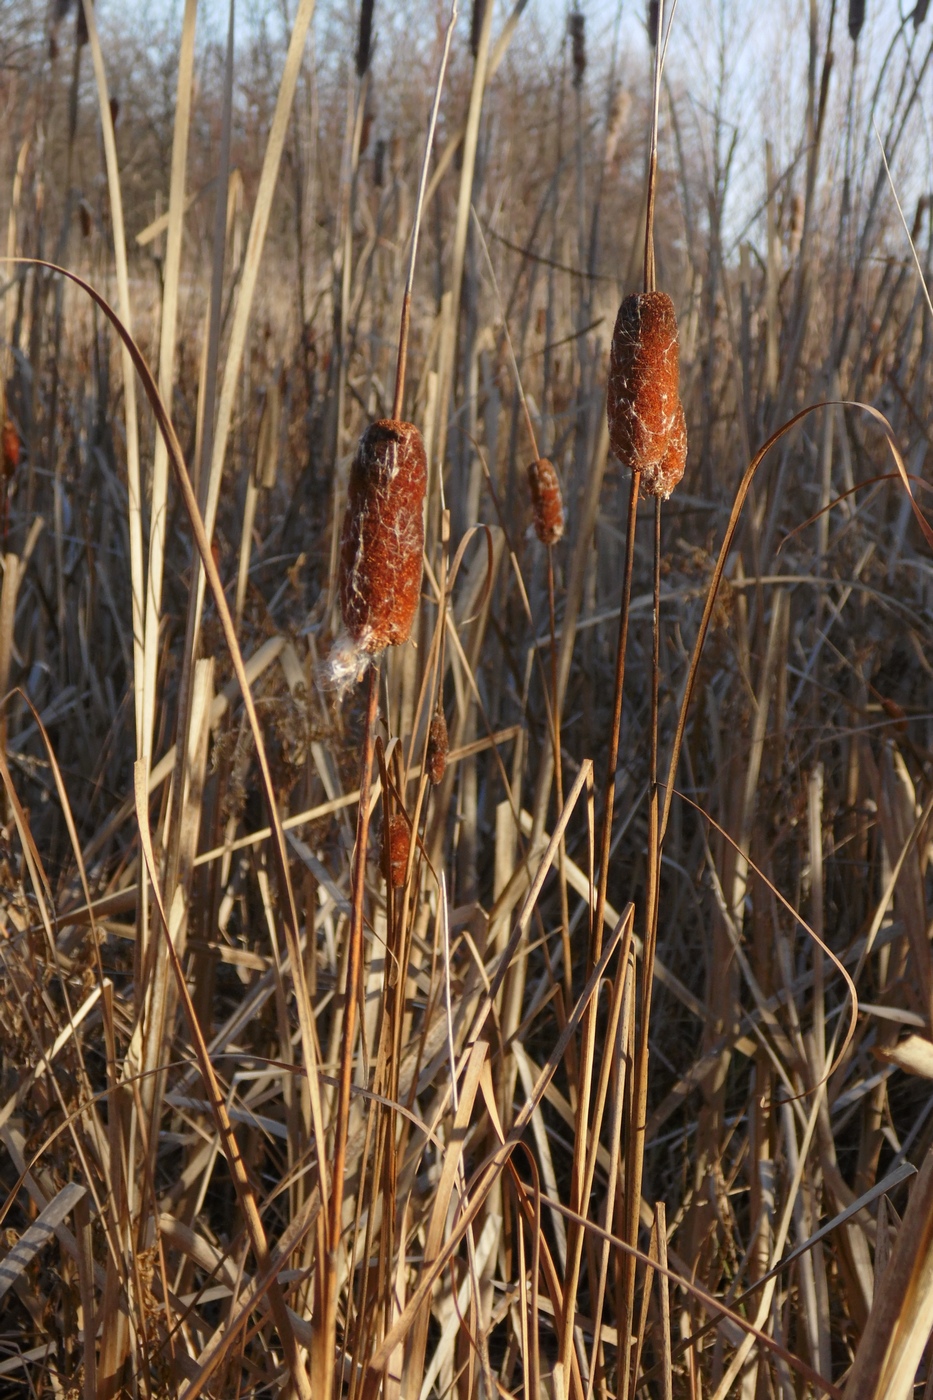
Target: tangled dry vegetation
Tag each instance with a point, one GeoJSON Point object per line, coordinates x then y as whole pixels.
{"type": "Point", "coordinates": [537, 1150]}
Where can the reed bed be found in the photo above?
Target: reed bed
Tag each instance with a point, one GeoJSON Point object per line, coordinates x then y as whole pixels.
{"type": "Point", "coordinates": [464, 925]}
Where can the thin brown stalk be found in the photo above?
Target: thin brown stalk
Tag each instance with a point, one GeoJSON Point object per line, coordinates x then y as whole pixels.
{"type": "Point", "coordinates": [348, 1033]}
{"type": "Point", "coordinates": [405, 322]}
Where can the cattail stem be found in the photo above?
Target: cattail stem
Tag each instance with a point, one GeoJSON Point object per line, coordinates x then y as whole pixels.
{"type": "Point", "coordinates": [636, 1144]}
{"type": "Point", "coordinates": [559, 782]}
{"type": "Point", "coordinates": [405, 322]}
{"type": "Point", "coordinates": [653, 158]}
{"type": "Point", "coordinates": [614, 734]}
{"type": "Point", "coordinates": [348, 1033]}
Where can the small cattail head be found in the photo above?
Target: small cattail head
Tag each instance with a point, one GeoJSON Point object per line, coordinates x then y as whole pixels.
{"type": "Point", "coordinates": [438, 748]}
{"type": "Point", "coordinates": [654, 16]}
{"type": "Point", "coordinates": [920, 12]}
{"type": "Point", "coordinates": [546, 501]}
{"type": "Point", "coordinates": [856, 18]}
{"type": "Point", "coordinates": [364, 47]}
{"type": "Point", "coordinates": [398, 844]}
{"type": "Point", "coordinates": [9, 449]}
{"type": "Point", "coordinates": [644, 373]}
{"type": "Point", "coordinates": [381, 545]}
{"type": "Point", "coordinates": [477, 16]}
{"type": "Point", "coordinates": [665, 477]}
{"type": "Point", "coordinates": [576, 23]}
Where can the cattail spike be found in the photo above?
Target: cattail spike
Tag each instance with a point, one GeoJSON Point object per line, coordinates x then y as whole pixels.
{"type": "Point", "coordinates": [920, 12]}
{"type": "Point", "coordinates": [381, 547]}
{"type": "Point", "coordinates": [438, 748]}
{"type": "Point", "coordinates": [856, 18]}
{"type": "Point", "coordinates": [643, 406]}
{"type": "Point", "coordinates": [576, 23]}
{"type": "Point", "coordinates": [654, 16]}
{"type": "Point", "coordinates": [547, 503]}
{"type": "Point", "coordinates": [364, 47]}
{"type": "Point", "coordinates": [398, 844]}
{"type": "Point", "coordinates": [476, 24]}
{"type": "Point", "coordinates": [9, 449]}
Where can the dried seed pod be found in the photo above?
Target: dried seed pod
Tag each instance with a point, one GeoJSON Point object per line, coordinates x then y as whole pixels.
{"type": "Point", "coordinates": [380, 546]}
{"type": "Point", "coordinates": [9, 449]}
{"type": "Point", "coordinates": [576, 23]}
{"type": "Point", "coordinates": [546, 501]}
{"type": "Point", "coordinates": [642, 400]}
{"type": "Point", "coordinates": [476, 23]}
{"type": "Point", "coordinates": [438, 748]}
{"type": "Point", "coordinates": [920, 12]}
{"type": "Point", "coordinates": [398, 844]}
{"type": "Point", "coordinates": [662, 481]}
{"type": "Point", "coordinates": [654, 16]}
{"type": "Point", "coordinates": [364, 47]}
{"type": "Point", "coordinates": [856, 18]}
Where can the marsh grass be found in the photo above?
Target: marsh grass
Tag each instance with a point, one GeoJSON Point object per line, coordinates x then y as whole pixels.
{"type": "Point", "coordinates": [628, 1094]}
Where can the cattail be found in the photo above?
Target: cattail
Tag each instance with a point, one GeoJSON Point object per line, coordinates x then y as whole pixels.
{"type": "Point", "coordinates": [643, 406]}
{"type": "Point", "coordinates": [920, 12]}
{"type": "Point", "coordinates": [438, 748]}
{"type": "Point", "coordinates": [364, 48]}
{"type": "Point", "coordinates": [476, 24]}
{"type": "Point", "coordinates": [81, 34]}
{"type": "Point", "coordinates": [398, 844]}
{"type": "Point", "coordinates": [381, 545]}
{"type": "Point", "coordinates": [379, 163]}
{"type": "Point", "coordinates": [9, 449]}
{"type": "Point", "coordinates": [576, 23]}
{"type": "Point", "coordinates": [856, 18]}
{"type": "Point", "coordinates": [546, 501]}
{"type": "Point", "coordinates": [654, 25]}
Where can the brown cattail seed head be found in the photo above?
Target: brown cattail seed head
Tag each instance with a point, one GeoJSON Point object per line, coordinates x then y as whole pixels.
{"type": "Point", "coordinates": [856, 18]}
{"type": "Point", "coordinates": [642, 400]}
{"type": "Point", "coordinates": [920, 12]}
{"type": "Point", "coordinates": [576, 23]}
{"type": "Point", "coordinates": [364, 47]}
{"type": "Point", "coordinates": [438, 748]}
{"type": "Point", "coordinates": [546, 501]}
{"type": "Point", "coordinates": [398, 843]}
{"type": "Point", "coordinates": [381, 545]}
{"type": "Point", "coordinates": [9, 449]}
